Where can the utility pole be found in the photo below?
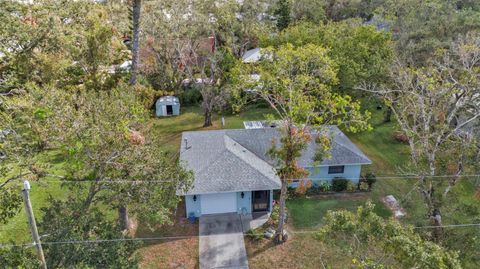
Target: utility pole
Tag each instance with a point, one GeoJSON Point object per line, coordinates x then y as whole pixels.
{"type": "Point", "coordinates": [33, 224]}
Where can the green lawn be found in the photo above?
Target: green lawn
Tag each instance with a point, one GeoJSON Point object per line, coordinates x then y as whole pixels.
{"type": "Point", "coordinates": [308, 213]}
{"type": "Point", "coordinates": [17, 228]}
{"type": "Point", "coordinates": [169, 130]}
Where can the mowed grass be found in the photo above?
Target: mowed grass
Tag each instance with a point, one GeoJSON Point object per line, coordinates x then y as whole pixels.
{"type": "Point", "coordinates": [17, 230]}
{"type": "Point", "coordinates": [308, 213]}
{"type": "Point", "coordinates": [168, 130]}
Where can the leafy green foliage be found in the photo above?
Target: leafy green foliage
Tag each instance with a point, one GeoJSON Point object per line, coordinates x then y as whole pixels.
{"type": "Point", "coordinates": [370, 179]}
{"type": "Point", "coordinates": [282, 14]}
{"type": "Point", "coordinates": [366, 236]}
{"type": "Point", "coordinates": [339, 184]}
{"type": "Point", "coordinates": [65, 104]}
{"type": "Point", "coordinates": [254, 235]}
{"type": "Point", "coordinates": [18, 257]}
{"type": "Point", "coordinates": [10, 203]}
{"type": "Point", "coordinates": [69, 221]}
{"type": "Point", "coordinates": [361, 52]}
{"type": "Point", "coordinates": [422, 27]}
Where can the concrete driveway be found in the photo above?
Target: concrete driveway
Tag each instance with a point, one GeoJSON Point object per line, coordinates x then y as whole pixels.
{"type": "Point", "coordinates": [221, 242]}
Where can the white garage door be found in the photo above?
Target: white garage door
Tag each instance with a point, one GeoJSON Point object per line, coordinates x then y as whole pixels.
{"type": "Point", "coordinates": [219, 203]}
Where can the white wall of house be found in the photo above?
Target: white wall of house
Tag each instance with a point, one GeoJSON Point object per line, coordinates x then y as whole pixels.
{"type": "Point", "coordinates": [220, 203]}
{"type": "Point", "coordinates": [351, 172]}
{"type": "Point", "coordinates": [321, 173]}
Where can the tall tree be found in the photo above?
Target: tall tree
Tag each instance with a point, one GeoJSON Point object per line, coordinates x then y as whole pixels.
{"type": "Point", "coordinates": [80, 113]}
{"type": "Point", "coordinates": [70, 221]}
{"type": "Point", "coordinates": [136, 15]}
{"type": "Point", "coordinates": [282, 13]}
{"type": "Point", "coordinates": [361, 52]}
{"type": "Point", "coordinates": [214, 71]}
{"type": "Point", "coordinates": [296, 83]}
{"type": "Point", "coordinates": [422, 27]}
{"type": "Point", "coordinates": [437, 109]}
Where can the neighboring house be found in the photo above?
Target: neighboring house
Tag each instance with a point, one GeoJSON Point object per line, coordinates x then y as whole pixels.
{"type": "Point", "coordinates": [233, 172]}
{"type": "Point", "coordinates": [167, 106]}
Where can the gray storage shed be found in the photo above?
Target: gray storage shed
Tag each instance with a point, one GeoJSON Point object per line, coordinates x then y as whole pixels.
{"type": "Point", "coordinates": [167, 106]}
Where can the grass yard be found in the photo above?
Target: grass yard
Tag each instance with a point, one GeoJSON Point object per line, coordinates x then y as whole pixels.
{"type": "Point", "coordinates": [308, 213]}
{"type": "Point", "coordinates": [16, 230]}
{"type": "Point", "coordinates": [301, 251]}
{"type": "Point", "coordinates": [169, 130]}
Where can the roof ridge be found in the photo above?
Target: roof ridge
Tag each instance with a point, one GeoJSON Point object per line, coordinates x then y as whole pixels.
{"type": "Point", "coordinates": [362, 155]}
{"type": "Point", "coordinates": [271, 175]}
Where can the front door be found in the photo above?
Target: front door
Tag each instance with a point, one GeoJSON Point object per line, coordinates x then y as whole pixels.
{"type": "Point", "coordinates": [260, 201]}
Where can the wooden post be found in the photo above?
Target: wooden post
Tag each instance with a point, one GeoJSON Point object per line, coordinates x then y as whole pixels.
{"type": "Point", "coordinates": [33, 224]}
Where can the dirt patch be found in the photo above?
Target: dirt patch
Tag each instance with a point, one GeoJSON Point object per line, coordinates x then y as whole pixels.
{"type": "Point", "coordinates": [175, 254]}
{"type": "Point", "coordinates": [181, 252]}
{"type": "Point", "coordinates": [300, 251]}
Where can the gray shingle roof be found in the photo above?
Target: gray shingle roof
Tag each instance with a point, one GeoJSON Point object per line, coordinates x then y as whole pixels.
{"type": "Point", "coordinates": [236, 160]}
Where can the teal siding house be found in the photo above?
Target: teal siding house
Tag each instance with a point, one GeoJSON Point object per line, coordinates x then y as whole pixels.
{"type": "Point", "coordinates": [233, 172]}
{"type": "Point", "coordinates": [167, 106]}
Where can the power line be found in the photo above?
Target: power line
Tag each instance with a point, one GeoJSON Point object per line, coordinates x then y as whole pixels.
{"type": "Point", "coordinates": [438, 177]}
{"type": "Point", "coordinates": [101, 241]}
{"type": "Point", "coordinates": [194, 236]}
{"type": "Point", "coordinates": [447, 226]}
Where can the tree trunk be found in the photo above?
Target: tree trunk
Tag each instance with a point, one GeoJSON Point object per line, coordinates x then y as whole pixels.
{"type": "Point", "coordinates": [387, 116]}
{"type": "Point", "coordinates": [123, 217]}
{"type": "Point", "coordinates": [207, 118]}
{"type": "Point", "coordinates": [437, 221]}
{"type": "Point", "coordinates": [137, 7]}
{"type": "Point", "coordinates": [279, 238]}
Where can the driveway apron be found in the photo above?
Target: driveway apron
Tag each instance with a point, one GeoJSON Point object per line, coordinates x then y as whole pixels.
{"type": "Point", "coordinates": [221, 242]}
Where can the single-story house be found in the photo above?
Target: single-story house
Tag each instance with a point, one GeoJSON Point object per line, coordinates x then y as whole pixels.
{"type": "Point", "coordinates": [167, 106]}
{"type": "Point", "coordinates": [233, 172]}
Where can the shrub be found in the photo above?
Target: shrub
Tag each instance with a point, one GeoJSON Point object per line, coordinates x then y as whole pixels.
{"type": "Point", "coordinates": [315, 189]}
{"type": "Point", "coordinates": [363, 186]}
{"type": "Point", "coordinates": [339, 184]}
{"type": "Point", "coordinates": [148, 95]}
{"type": "Point", "coordinates": [351, 187]}
{"type": "Point", "coordinates": [370, 178]}
{"type": "Point", "coordinates": [254, 235]}
{"type": "Point", "coordinates": [400, 137]}
{"type": "Point", "coordinates": [190, 96]}
{"type": "Point", "coordinates": [324, 186]}
{"type": "Point", "coordinates": [292, 193]}
{"type": "Point", "coordinates": [275, 216]}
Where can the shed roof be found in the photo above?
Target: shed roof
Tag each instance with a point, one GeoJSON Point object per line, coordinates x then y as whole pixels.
{"type": "Point", "coordinates": [237, 160]}
{"type": "Point", "coordinates": [171, 100]}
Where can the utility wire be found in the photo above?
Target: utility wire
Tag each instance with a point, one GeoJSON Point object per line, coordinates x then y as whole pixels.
{"type": "Point", "coordinates": [437, 177]}
{"type": "Point", "coordinates": [193, 236]}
